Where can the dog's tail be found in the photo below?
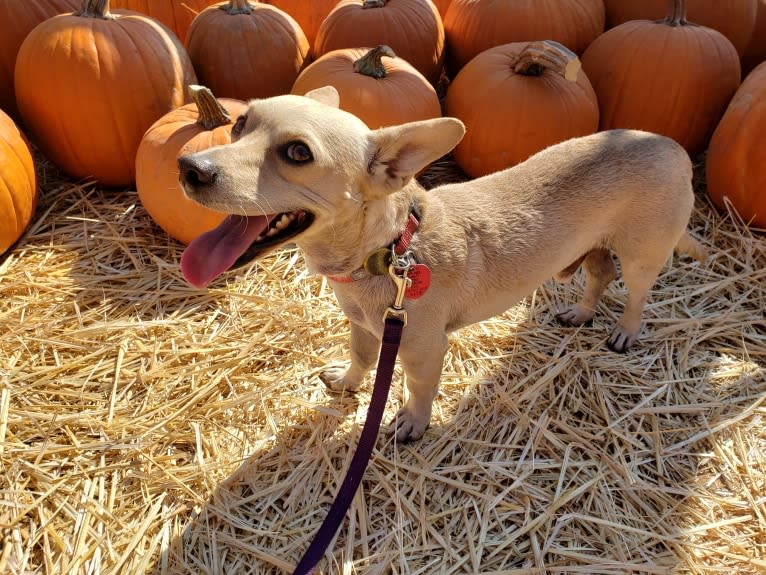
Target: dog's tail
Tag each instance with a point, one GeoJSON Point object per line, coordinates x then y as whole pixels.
{"type": "Point", "coordinates": [689, 246]}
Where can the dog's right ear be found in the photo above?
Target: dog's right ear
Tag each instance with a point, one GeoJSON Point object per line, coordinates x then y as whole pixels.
{"type": "Point", "coordinates": [398, 153]}
{"type": "Point", "coordinates": [326, 95]}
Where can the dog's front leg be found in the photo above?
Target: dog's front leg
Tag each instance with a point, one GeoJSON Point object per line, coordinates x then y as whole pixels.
{"type": "Point", "coordinates": [422, 361]}
{"type": "Point", "coordinates": [348, 376]}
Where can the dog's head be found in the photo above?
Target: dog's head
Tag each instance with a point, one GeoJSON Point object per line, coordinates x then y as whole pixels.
{"type": "Point", "coordinates": [294, 164]}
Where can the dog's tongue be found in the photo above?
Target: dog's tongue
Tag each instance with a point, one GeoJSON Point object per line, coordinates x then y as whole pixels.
{"type": "Point", "coordinates": [214, 252]}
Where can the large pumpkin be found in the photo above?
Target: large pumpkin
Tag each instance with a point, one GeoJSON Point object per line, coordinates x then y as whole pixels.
{"type": "Point", "coordinates": [732, 18]}
{"type": "Point", "coordinates": [309, 15]}
{"type": "Point", "coordinates": [374, 85]}
{"type": "Point", "coordinates": [242, 49]}
{"type": "Point", "coordinates": [17, 18]}
{"type": "Point", "coordinates": [412, 28]}
{"type": "Point", "coordinates": [517, 99]}
{"type": "Point", "coordinates": [89, 84]}
{"type": "Point", "coordinates": [175, 14]}
{"type": "Point", "coordinates": [736, 157]}
{"type": "Point", "coordinates": [666, 76]}
{"type": "Point", "coordinates": [472, 26]}
{"type": "Point", "coordinates": [755, 51]}
{"type": "Point", "coordinates": [205, 123]}
{"type": "Point", "coordinates": [18, 185]}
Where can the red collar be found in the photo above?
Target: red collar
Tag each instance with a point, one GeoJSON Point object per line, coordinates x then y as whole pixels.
{"type": "Point", "coordinates": [400, 246]}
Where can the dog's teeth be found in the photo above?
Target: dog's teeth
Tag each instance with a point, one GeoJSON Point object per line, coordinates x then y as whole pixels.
{"type": "Point", "coordinates": [283, 222]}
{"type": "Point", "coordinates": [271, 232]}
{"type": "Point", "coordinates": [260, 238]}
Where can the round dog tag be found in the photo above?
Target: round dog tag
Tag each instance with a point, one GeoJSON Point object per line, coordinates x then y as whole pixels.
{"type": "Point", "coordinates": [420, 275]}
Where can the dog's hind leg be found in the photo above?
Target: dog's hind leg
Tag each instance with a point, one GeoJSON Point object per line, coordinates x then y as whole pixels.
{"type": "Point", "coordinates": [345, 376]}
{"type": "Point", "coordinates": [422, 364]}
{"type": "Point", "coordinates": [599, 272]}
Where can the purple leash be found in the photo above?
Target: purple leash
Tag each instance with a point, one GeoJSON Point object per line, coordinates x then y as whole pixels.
{"type": "Point", "coordinates": [392, 335]}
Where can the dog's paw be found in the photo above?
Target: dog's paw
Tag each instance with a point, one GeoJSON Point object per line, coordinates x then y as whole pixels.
{"type": "Point", "coordinates": [335, 377]}
{"type": "Point", "coordinates": [621, 339]}
{"type": "Point", "coordinates": [575, 316]}
{"type": "Point", "coordinates": [407, 426]}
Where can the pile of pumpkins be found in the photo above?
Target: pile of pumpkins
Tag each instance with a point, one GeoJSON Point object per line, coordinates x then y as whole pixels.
{"type": "Point", "coordinates": [115, 91]}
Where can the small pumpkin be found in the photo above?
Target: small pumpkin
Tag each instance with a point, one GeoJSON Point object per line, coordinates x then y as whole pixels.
{"type": "Point", "coordinates": [735, 165]}
{"type": "Point", "coordinates": [17, 20]}
{"type": "Point", "coordinates": [374, 85]}
{"type": "Point", "coordinates": [472, 26]}
{"type": "Point", "coordinates": [732, 18]}
{"type": "Point", "coordinates": [175, 14]}
{"type": "Point", "coordinates": [18, 183]}
{"type": "Point", "coordinates": [242, 49]}
{"type": "Point", "coordinates": [89, 84]}
{"type": "Point", "coordinates": [667, 76]}
{"type": "Point", "coordinates": [197, 126]}
{"type": "Point", "coordinates": [412, 28]}
{"type": "Point", "coordinates": [517, 99]}
{"type": "Point", "coordinates": [309, 15]}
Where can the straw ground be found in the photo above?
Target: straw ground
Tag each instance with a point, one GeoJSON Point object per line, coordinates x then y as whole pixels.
{"type": "Point", "coordinates": [149, 427]}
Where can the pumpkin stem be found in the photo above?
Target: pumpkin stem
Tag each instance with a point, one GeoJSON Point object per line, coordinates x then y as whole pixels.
{"type": "Point", "coordinates": [537, 57]}
{"type": "Point", "coordinates": [676, 13]}
{"type": "Point", "coordinates": [373, 4]}
{"type": "Point", "coordinates": [95, 9]}
{"type": "Point", "coordinates": [235, 7]}
{"type": "Point", "coordinates": [371, 64]}
{"type": "Point", "coordinates": [211, 113]}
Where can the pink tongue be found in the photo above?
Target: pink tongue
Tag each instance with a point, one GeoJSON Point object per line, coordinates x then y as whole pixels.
{"type": "Point", "coordinates": [214, 252]}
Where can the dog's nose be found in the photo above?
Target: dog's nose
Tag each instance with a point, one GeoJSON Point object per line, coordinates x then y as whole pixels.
{"type": "Point", "coordinates": [196, 172]}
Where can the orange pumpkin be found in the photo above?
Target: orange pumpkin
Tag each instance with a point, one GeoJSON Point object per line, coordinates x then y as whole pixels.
{"type": "Point", "coordinates": [732, 18]}
{"type": "Point", "coordinates": [175, 14]}
{"type": "Point", "coordinates": [755, 51]}
{"type": "Point", "coordinates": [18, 18]}
{"type": "Point", "coordinates": [517, 99]}
{"type": "Point", "coordinates": [412, 28]}
{"type": "Point", "coordinates": [374, 85]}
{"type": "Point", "coordinates": [244, 50]}
{"type": "Point", "coordinates": [18, 184]}
{"type": "Point", "coordinates": [472, 26]}
{"type": "Point", "coordinates": [89, 84]}
{"type": "Point", "coordinates": [665, 76]}
{"type": "Point", "coordinates": [309, 15]}
{"type": "Point", "coordinates": [190, 128]}
{"type": "Point", "coordinates": [736, 158]}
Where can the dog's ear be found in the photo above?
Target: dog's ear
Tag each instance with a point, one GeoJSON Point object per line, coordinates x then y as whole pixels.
{"type": "Point", "coordinates": [327, 95]}
{"type": "Point", "coordinates": [398, 153]}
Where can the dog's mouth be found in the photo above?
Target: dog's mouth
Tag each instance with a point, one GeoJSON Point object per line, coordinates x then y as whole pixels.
{"type": "Point", "coordinates": [236, 241]}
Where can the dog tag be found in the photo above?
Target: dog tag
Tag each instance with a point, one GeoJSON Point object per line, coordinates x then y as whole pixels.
{"type": "Point", "coordinates": [420, 276]}
{"type": "Point", "coordinates": [377, 262]}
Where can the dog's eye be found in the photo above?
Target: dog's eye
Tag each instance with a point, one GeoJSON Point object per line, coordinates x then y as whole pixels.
{"type": "Point", "coordinates": [239, 125]}
{"type": "Point", "coordinates": [297, 153]}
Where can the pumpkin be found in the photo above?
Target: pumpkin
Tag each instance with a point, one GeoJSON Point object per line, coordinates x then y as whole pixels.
{"type": "Point", "coordinates": [472, 26]}
{"type": "Point", "coordinates": [755, 51]}
{"type": "Point", "coordinates": [517, 99]}
{"type": "Point", "coordinates": [90, 83]}
{"type": "Point", "coordinates": [17, 19]}
{"type": "Point", "coordinates": [309, 15]}
{"type": "Point", "coordinates": [175, 14]}
{"type": "Point", "coordinates": [202, 124]}
{"type": "Point", "coordinates": [732, 18]}
{"type": "Point", "coordinates": [665, 76]}
{"type": "Point", "coordinates": [735, 165]}
{"type": "Point", "coordinates": [18, 184]}
{"type": "Point", "coordinates": [412, 28]}
{"type": "Point", "coordinates": [244, 50]}
{"type": "Point", "coordinates": [375, 85]}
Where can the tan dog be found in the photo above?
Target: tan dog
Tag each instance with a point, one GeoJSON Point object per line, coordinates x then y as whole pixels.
{"type": "Point", "coordinates": [303, 171]}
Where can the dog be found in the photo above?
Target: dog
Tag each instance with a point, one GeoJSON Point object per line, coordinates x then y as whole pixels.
{"type": "Point", "coordinates": [299, 170]}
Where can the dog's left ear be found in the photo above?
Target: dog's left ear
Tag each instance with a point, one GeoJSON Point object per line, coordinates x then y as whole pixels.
{"type": "Point", "coordinates": [326, 95]}
{"type": "Point", "coordinates": [397, 153]}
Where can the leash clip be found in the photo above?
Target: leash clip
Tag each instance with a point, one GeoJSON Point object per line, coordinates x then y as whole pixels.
{"type": "Point", "coordinates": [402, 282]}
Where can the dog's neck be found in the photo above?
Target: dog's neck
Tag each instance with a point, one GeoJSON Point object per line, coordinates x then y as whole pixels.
{"type": "Point", "coordinates": [377, 223]}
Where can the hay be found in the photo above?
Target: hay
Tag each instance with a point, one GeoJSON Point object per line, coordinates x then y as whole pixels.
{"type": "Point", "coordinates": [149, 427]}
